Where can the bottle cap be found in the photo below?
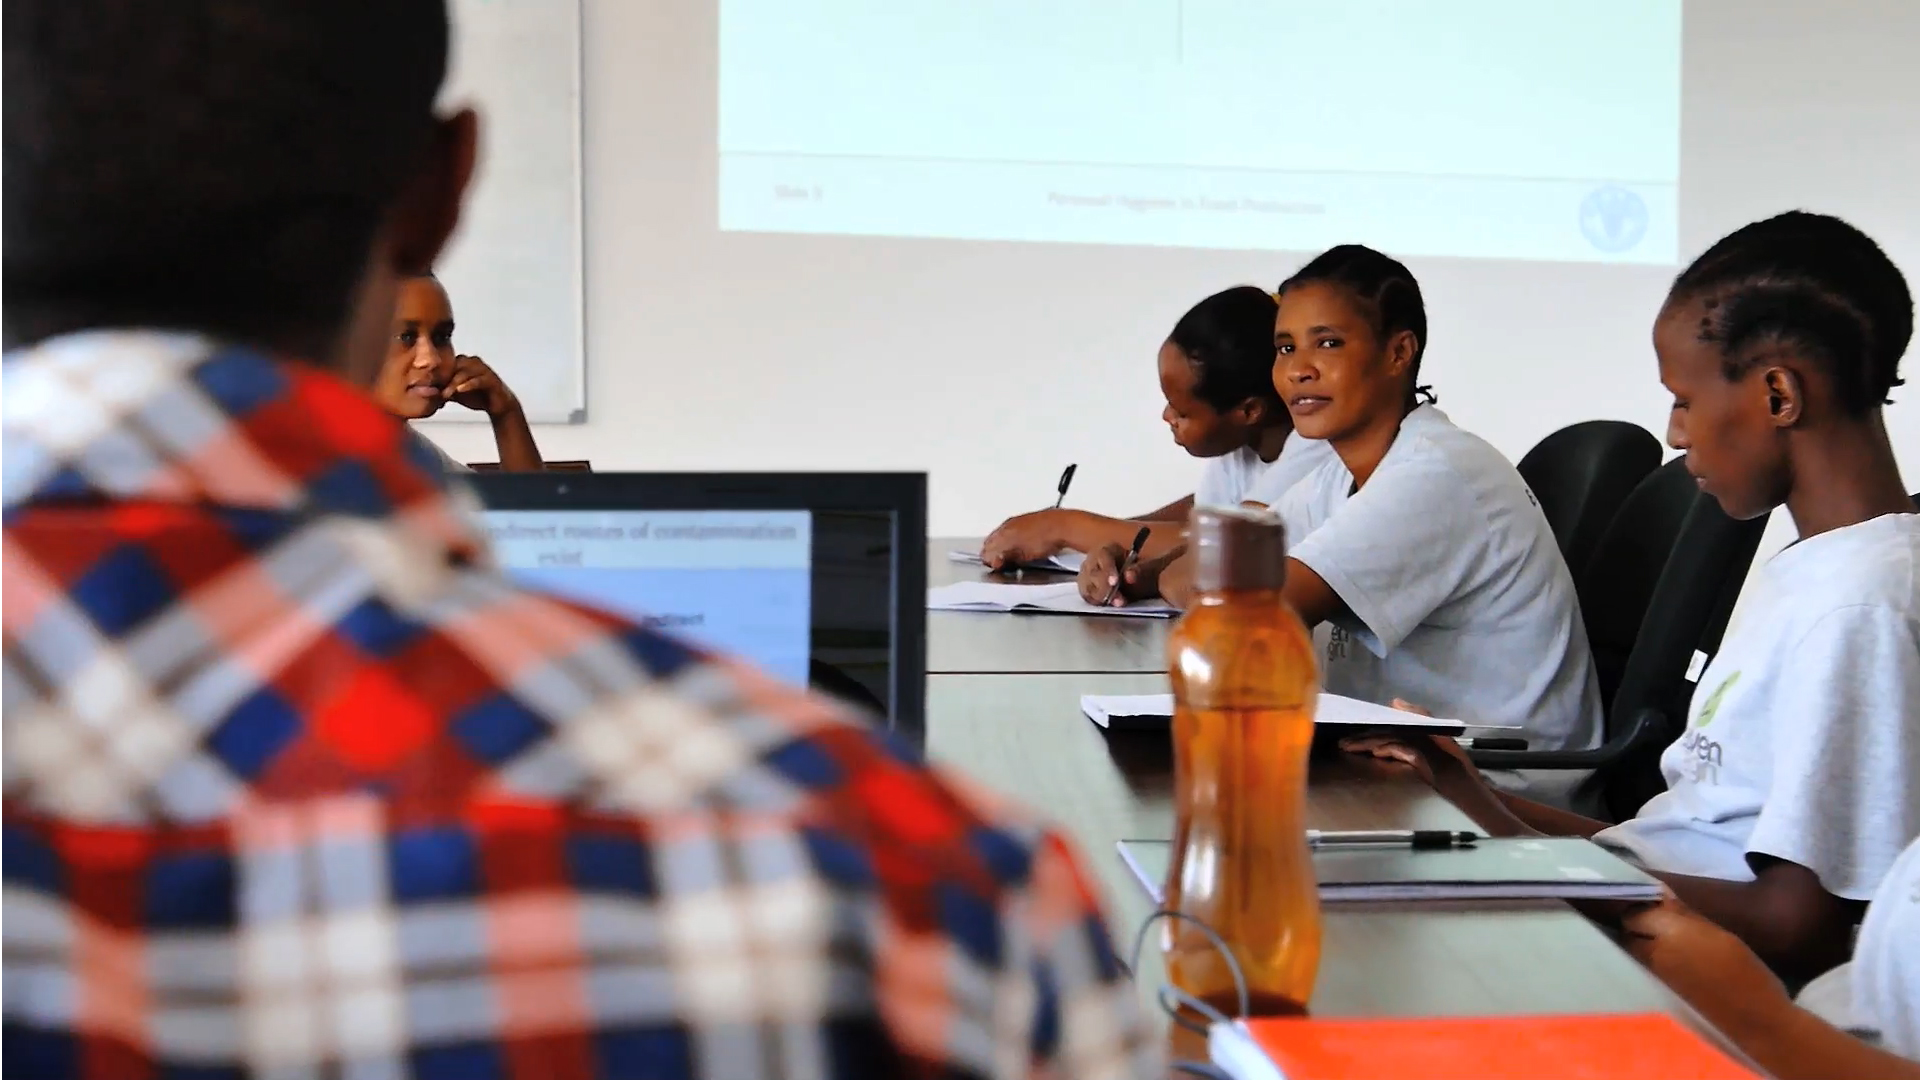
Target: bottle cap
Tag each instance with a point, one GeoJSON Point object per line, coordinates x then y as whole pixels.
{"type": "Point", "coordinates": [1237, 549]}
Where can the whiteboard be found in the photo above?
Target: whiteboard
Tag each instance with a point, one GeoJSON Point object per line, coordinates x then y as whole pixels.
{"type": "Point", "coordinates": [514, 269]}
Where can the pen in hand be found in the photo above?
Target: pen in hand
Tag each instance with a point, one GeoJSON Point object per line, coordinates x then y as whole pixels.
{"type": "Point", "coordinates": [1066, 481]}
{"type": "Point", "coordinates": [1013, 566]}
{"type": "Point", "coordinates": [1120, 572]}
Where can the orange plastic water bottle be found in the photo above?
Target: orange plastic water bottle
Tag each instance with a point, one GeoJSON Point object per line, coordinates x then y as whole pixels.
{"type": "Point", "coordinates": [1244, 688]}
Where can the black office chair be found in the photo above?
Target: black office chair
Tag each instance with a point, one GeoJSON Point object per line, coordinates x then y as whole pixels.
{"type": "Point", "coordinates": [1582, 474]}
{"type": "Point", "coordinates": [1662, 583]}
{"type": "Point", "coordinates": [1616, 582]}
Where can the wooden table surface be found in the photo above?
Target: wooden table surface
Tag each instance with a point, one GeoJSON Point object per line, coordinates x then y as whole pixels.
{"type": "Point", "coordinates": [979, 643]}
{"type": "Point", "coordinates": [1024, 736]}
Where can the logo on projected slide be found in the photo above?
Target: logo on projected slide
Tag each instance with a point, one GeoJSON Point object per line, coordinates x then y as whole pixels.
{"type": "Point", "coordinates": [1613, 218]}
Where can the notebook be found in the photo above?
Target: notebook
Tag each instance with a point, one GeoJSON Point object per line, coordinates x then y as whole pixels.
{"type": "Point", "coordinates": [1067, 562]}
{"type": "Point", "coordinates": [1517, 868]}
{"type": "Point", "coordinates": [1123, 711]}
{"type": "Point", "coordinates": [1628, 1046]}
{"type": "Point", "coordinates": [1059, 599]}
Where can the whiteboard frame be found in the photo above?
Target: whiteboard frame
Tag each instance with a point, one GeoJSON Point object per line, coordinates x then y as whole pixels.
{"type": "Point", "coordinates": [575, 411]}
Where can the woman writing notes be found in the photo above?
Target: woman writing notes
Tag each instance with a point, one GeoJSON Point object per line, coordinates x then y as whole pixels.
{"type": "Point", "coordinates": [1797, 781]}
{"type": "Point", "coordinates": [1418, 542]}
{"type": "Point", "coordinates": [1221, 407]}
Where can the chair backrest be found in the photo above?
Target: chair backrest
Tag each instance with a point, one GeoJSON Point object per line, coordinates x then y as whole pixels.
{"type": "Point", "coordinates": [1660, 588]}
{"type": "Point", "coordinates": [1616, 582]}
{"type": "Point", "coordinates": [551, 466]}
{"type": "Point", "coordinates": [1582, 474]}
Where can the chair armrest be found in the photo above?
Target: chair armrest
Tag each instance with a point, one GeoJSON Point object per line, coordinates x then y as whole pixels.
{"type": "Point", "coordinates": [1647, 728]}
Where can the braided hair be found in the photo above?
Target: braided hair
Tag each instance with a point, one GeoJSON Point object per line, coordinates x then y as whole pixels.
{"type": "Point", "coordinates": [1228, 338]}
{"type": "Point", "coordinates": [1387, 294]}
{"type": "Point", "coordinates": [1812, 284]}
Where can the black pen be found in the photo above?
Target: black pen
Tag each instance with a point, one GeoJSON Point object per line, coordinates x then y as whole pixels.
{"type": "Point", "coordinates": [1417, 839]}
{"type": "Point", "coordinates": [1496, 743]}
{"type": "Point", "coordinates": [1059, 500]}
{"type": "Point", "coordinates": [1066, 481]}
{"type": "Point", "coordinates": [1120, 572]}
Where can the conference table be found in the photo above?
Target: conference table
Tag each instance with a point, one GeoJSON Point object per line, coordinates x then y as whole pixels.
{"type": "Point", "coordinates": [1003, 707]}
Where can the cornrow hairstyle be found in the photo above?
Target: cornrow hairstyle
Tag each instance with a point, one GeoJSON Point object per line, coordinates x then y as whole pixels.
{"type": "Point", "coordinates": [1387, 294]}
{"type": "Point", "coordinates": [221, 165]}
{"type": "Point", "coordinates": [1812, 284]}
{"type": "Point", "coordinates": [1228, 338]}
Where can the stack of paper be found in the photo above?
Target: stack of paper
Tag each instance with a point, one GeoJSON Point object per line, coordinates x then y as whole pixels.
{"type": "Point", "coordinates": [1155, 710]}
{"type": "Point", "coordinates": [1516, 868]}
{"type": "Point", "coordinates": [1061, 599]}
{"type": "Point", "coordinates": [1067, 562]}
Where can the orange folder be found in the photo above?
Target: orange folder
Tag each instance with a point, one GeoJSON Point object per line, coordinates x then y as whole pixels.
{"type": "Point", "coordinates": [1632, 1046]}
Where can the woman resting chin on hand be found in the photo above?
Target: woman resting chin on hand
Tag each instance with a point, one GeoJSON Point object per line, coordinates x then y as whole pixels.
{"type": "Point", "coordinates": [422, 373]}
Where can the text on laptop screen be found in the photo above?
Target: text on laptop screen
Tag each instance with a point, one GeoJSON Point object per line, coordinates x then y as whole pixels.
{"type": "Point", "coordinates": [738, 582]}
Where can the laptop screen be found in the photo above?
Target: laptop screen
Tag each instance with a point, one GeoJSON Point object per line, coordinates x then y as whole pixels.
{"type": "Point", "coordinates": [817, 579]}
{"type": "Point", "coordinates": [738, 582]}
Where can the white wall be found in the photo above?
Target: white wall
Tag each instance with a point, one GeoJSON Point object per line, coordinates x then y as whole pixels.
{"type": "Point", "coordinates": [993, 365]}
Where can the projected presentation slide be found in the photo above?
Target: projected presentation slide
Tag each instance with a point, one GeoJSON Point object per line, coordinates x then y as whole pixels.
{"type": "Point", "coordinates": [1509, 129]}
{"type": "Point", "coordinates": [738, 582]}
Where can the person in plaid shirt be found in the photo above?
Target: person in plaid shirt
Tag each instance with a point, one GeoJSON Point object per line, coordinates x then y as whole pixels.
{"type": "Point", "coordinates": [297, 784]}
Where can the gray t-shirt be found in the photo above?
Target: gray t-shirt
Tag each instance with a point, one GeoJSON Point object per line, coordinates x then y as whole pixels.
{"type": "Point", "coordinates": [1457, 596]}
{"type": "Point", "coordinates": [1886, 959]}
{"type": "Point", "coordinates": [1241, 477]}
{"type": "Point", "coordinates": [1803, 739]}
{"type": "Point", "coordinates": [446, 460]}
{"type": "Point", "coordinates": [1877, 995]}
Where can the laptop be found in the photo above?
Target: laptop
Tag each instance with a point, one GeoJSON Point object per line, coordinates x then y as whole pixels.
{"type": "Point", "coordinates": [816, 578]}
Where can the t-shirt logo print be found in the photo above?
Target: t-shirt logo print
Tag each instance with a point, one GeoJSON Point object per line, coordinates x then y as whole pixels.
{"type": "Point", "coordinates": [1711, 707]}
{"type": "Point", "coordinates": [1704, 752]}
{"type": "Point", "coordinates": [1337, 640]}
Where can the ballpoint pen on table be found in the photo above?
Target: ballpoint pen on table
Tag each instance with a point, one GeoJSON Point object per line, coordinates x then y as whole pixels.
{"type": "Point", "coordinates": [1417, 839]}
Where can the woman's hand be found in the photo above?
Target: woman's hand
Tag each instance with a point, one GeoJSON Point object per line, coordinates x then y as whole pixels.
{"type": "Point", "coordinates": [1102, 581]}
{"type": "Point", "coordinates": [1174, 580]}
{"type": "Point", "coordinates": [1025, 538]}
{"type": "Point", "coordinates": [1395, 748]}
{"type": "Point", "coordinates": [1437, 759]}
{"type": "Point", "coordinates": [1708, 966]}
{"type": "Point", "coordinates": [476, 386]}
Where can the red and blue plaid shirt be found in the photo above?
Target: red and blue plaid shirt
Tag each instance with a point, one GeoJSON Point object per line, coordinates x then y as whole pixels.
{"type": "Point", "coordinates": [299, 785]}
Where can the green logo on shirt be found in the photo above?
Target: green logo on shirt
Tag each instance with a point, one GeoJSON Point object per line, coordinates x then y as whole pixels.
{"type": "Point", "coordinates": [1711, 707]}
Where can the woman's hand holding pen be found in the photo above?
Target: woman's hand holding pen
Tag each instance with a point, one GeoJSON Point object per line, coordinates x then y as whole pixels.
{"type": "Point", "coordinates": [1027, 538]}
{"type": "Point", "coordinates": [1115, 566]}
{"type": "Point", "coordinates": [1031, 537]}
{"type": "Point", "coordinates": [1110, 578]}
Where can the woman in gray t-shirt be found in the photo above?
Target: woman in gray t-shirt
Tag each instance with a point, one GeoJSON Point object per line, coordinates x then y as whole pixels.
{"type": "Point", "coordinates": [422, 373]}
{"type": "Point", "coordinates": [1795, 782]}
